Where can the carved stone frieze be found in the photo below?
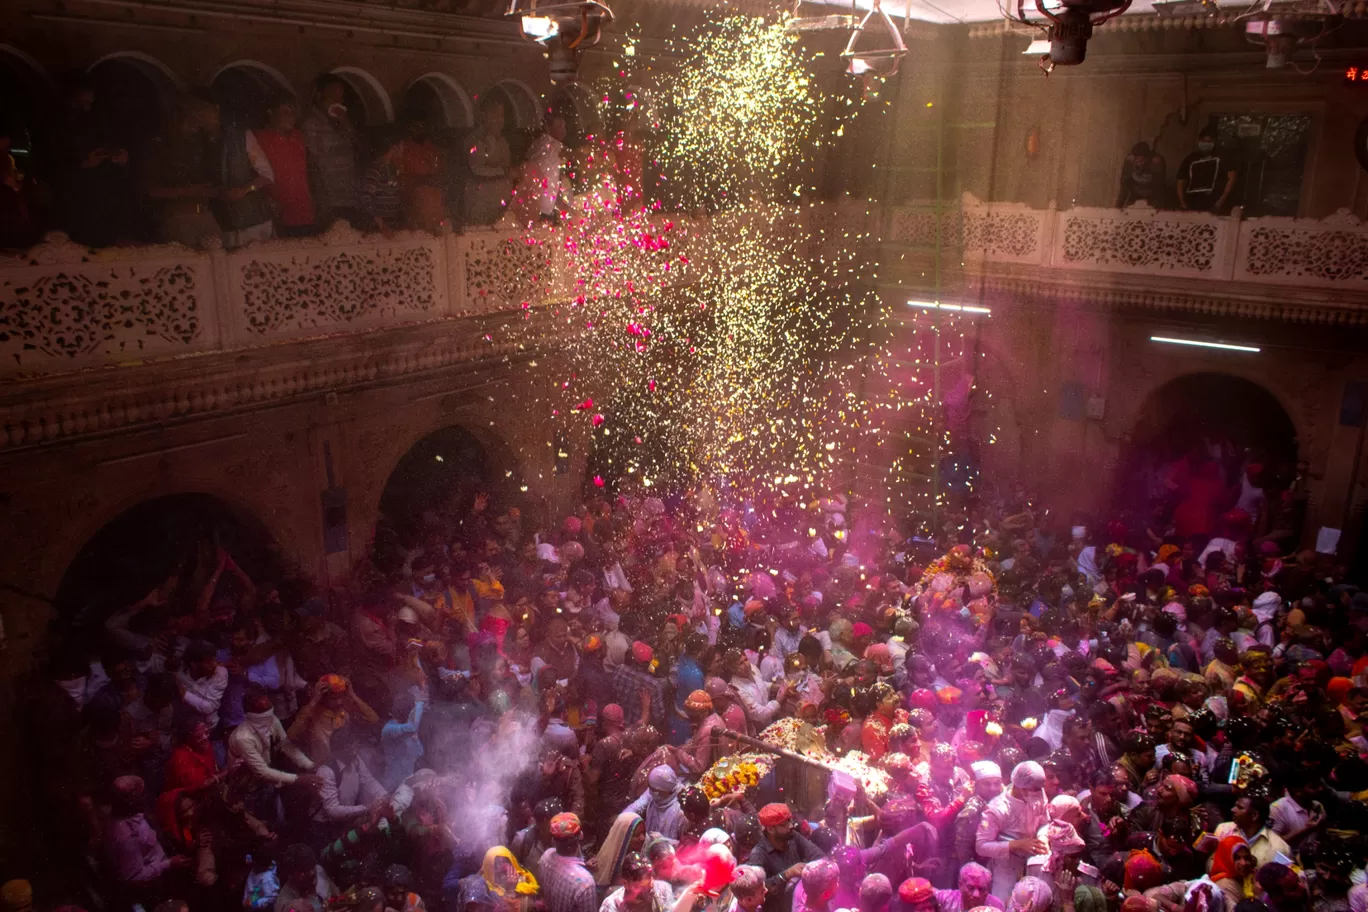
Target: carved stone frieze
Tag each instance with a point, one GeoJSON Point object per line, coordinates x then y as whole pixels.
{"type": "Point", "coordinates": [1150, 244]}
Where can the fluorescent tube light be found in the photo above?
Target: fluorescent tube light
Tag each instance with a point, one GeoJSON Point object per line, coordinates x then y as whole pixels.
{"type": "Point", "coordinates": [956, 308]}
{"type": "Point", "coordinates": [1199, 343]}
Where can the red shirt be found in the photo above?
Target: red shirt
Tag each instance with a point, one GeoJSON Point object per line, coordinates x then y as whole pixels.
{"type": "Point", "coordinates": [189, 770]}
{"type": "Point", "coordinates": [289, 162]}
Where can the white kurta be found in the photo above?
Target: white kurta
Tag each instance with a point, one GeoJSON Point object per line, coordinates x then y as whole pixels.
{"type": "Point", "coordinates": [1004, 819]}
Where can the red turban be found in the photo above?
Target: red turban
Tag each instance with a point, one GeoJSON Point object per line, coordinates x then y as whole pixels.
{"type": "Point", "coordinates": [916, 890]}
{"type": "Point", "coordinates": [922, 698]}
{"type": "Point", "coordinates": [641, 652]}
{"type": "Point", "coordinates": [949, 694]}
{"type": "Point", "coordinates": [773, 815]}
{"type": "Point", "coordinates": [1143, 871]}
{"type": "Point", "coordinates": [564, 826]}
{"type": "Point", "coordinates": [861, 629]}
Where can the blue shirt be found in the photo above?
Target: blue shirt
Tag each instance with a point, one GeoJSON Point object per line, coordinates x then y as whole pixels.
{"type": "Point", "coordinates": [401, 746]}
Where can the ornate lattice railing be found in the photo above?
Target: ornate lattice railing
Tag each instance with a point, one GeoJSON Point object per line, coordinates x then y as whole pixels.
{"type": "Point", "coordinates": [1328, 253]}
{"type": "Point", "coordinates": [64, 307]}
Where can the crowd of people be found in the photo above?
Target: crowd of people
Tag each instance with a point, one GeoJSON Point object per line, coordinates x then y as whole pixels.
{"type": "Point", "coordinates": [508, 716]}
{"type": "Point", "coordinates": [208, 180]}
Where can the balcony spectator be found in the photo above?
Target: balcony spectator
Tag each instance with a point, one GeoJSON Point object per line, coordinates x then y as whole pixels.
{"type": "Point", "coordinates": [18, 227]}
{"type": "Point", "coordinates": [490, 161]}
{"type": "Point", "coordinates": [421, 177]}
{"type": "Point", "coordinates": [543, 183]}
{"type": "Point", "coordinates": [244, 175]}
{"type": "Point", "coordinates": [96, 201]}
{"type": "Point", "coordinates": [180, 176]}
{"type": "Point", "coordinates": [1206, 178]}
{"type": "Point", "coordinates": [382, 204]}
{"type": "Point", "coordinates": [332, 141]}
{"type": "Point", "coordinates": [282, 142]}
{"type": "Point", "coordinates": [1142, 178]}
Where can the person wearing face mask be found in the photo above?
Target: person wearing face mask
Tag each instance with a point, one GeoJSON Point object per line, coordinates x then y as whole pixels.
{"type": "Point", "coordinates": [1142, 179]}
{"type": "Point", "coordinates": [659, 805]}
{"type": "Point", "coordinates": [261, 738]}
{"type": "Point", "coordinates": [987, 786]}
{"type": "Point", "coordinates": [1006, 834]}
{"type": "Point", "coordinates": [1206, 178]}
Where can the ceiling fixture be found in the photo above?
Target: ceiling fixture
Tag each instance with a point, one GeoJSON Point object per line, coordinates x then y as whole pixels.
{"type": "Point", "coordinates": [1281, 27]}
{"type": "Point", "coordinates": [1067, 26]}
{"type": "Point", "coordinates": [563, 28]}
{"type": "Point", "coordinates": [1201, 343]}
{"type": "Point", "coordinates": [877, 61]}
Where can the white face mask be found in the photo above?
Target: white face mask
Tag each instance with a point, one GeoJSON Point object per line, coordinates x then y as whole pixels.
{"type": "Point", "coordinates": [75, 688]}
{"type": "Point", "coordinates": [262, 723]}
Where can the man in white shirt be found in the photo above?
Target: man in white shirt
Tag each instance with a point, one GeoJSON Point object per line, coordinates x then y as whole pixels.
{"type": "Point", "coordinates": [1007, 830]}
{"type": "Point", "coordinates": [1180, 742]}
{"type": "Point", "coordinates": [761, 699]}
{"type": "Point", "coordinates": [542, 180]}
{"type": "Point", "coordinates": [203, 681]}
{"type": "Point", "coordinates": [258, 738]}
{"type": "Point", "coordinates": [346, 786]}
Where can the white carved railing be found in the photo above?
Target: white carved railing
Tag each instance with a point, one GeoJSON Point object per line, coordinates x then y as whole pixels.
{"type": "Point", "coordinates": [1003, 232]}
{"type": "Point", "coordinates": [1328, 253]}
{"type": "Point", "coordinates": [65, 307]}
{"type": "Point", "coordinates": [1146, 241]}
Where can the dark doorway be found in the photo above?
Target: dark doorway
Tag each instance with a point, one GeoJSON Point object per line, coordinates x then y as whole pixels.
{"type": "Point", "coordinates": [147, 545]}
{"type": "Point", "coordinates": [1236, 421]}
{"type": "Point", "coordinates": [244, 93]}
{"type": "Point", "coordinates": [434, 484]}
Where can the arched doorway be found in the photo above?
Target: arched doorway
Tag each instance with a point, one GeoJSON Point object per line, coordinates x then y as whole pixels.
{"type": "Point", "coordinates": [245, 88]}
{"type": "Point", "coordinates": [522, 104]}
{"type": "Point", "coordinates": [1235, 421]}
{"type": "Point", "coordinates": [26, 98]}
{"type": "Point", "coordinates": [434, 486]}
{"type": "Point", "coordinates": [134, 93]}
{"type": "Point", "coordinates": [580, 110]}
{"type": "Point", "coordinates": [365, 96]}
{"type": "Point", "coordinates": [442, 102]}
{"type": "Point", "coordinates": [145, 546]}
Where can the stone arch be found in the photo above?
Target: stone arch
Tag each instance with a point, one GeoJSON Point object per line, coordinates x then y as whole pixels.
{"type": "Point", "coordinates": [1126, 412]}
{"type": "Point", "coordinates": [524, 105]}
{"type": "Point", "coordinates": [153, 69]}
{"type": "Point", "coordinates": [134, 547]}
{"type": "Point", "coordinates": [1189, 405]}
{"type": "Point", "coordinates": [451, 99]}
{"type": "Point", "coordinates": [245, 87]}
{"type": "Point", "coordinates": [33, 74]}
{"type": "Point", "coordinates": [375, 100]}
{"type": "Point", "coordinates": [580, 109]}
{"type": "Point", "coordinates": [135, 90]}
{"type": "Point", "coordinates": [456, 458]}
{"type": "Point", "coordinates": [26, 93]}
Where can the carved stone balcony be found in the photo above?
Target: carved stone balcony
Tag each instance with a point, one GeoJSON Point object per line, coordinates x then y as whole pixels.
{"type": "Point", "coordinates": [1305, 269]}
{"type": "Point", "coordinates": [64, 307]}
